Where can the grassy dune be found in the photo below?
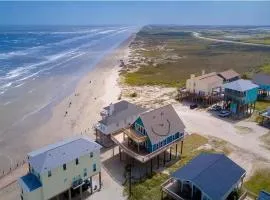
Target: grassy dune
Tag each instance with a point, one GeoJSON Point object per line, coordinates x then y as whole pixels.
{"type": "Point", "coordinates": [158, 45]}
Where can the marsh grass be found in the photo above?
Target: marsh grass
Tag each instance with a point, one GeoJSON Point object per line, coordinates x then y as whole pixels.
{"type": "Point", "coordinates": [259, 181]}
{"type": "Point", "coordinates": [194, 56]}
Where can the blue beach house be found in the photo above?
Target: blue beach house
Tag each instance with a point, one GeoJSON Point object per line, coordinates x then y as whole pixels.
{"type": "Point", "coordinates": [264, 195]}
{"type": "Point", "coordinates": [263, 81]}
{"type": "Point", "coordinates": [156, 129]}
{"type": "Point", "coordinates": [209, 176]}
{"type": "Point", "coordinates": [240, 97]}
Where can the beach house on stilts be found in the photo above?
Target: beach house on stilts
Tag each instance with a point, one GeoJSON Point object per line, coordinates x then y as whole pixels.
{"type": "Point", "coordinates": [240, 97]}
{"type": "Point", "coordinates": [62, 170]}
{"type": "Point", "coordinates": [263, 81]}
{"type": "Point", "coordinates": [208, 176]}
{"type": "Point", "coordinates": [115, 117]}
{"type": "Point", "coordinates": [153, 133]}
{"type": "Point", "coordinates": [205, 89]}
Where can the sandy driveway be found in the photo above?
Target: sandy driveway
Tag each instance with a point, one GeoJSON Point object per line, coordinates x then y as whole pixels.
{"type": "Point", "coordinates": [206, 123]}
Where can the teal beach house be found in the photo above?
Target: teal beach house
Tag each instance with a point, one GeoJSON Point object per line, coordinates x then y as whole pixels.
{"type": "Point", "coordinates": [240, 97]}
{"type": "Point", "coordinates": [156, 129]}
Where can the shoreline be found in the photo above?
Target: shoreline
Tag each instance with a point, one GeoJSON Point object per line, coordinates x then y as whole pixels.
{"type": "Point", "coordinates": [76, 114]}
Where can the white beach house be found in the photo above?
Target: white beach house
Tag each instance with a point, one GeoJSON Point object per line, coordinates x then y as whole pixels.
{"type": "Point", "coordinates": [115, 117]}
{"type": "Point", "coordinates": [206, 84]}
{"type": "Point", "coordinates": [60, 169]}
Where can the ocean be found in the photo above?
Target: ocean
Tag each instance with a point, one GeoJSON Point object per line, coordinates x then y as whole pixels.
{"type": "Point", "coordinates": [40, 65]}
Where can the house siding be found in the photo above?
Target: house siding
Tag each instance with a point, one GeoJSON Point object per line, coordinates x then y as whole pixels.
{"type": "Point", "coordinates": [251, 95]}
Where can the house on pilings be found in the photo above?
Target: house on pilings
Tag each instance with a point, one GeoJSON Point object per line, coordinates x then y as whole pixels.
{"type": "Point", "coordinates": [208, 176]}
{"type": "Point", "coordinates": [263, 81]}
{"type": "Point", "coordinates": [240, 97]}
{"type": "Point", "coordinates": [153, 133]}
{"type": "Point", "coordinates": [115, 117]}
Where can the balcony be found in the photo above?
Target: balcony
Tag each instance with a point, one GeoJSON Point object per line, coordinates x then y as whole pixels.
{"type": "Point", "coordinates": [76, 184]}
{"type": "Point", "coordinates": [142, 154]}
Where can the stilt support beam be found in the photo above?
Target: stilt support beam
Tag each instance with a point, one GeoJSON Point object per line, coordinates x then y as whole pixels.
{"type": "Point", "coordinates": [99, 180]}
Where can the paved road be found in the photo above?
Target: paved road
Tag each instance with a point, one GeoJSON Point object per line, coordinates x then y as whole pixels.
{"type": "Point", "coordinates": [198, 35]}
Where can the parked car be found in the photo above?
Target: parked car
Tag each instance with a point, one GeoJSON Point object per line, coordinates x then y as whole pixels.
{"type": "Point", "coordinates": [215, 108]}
{"type": "Point", "coordinates": [193, 106]}
{"type": "Point", "coordinates": [224, 113]}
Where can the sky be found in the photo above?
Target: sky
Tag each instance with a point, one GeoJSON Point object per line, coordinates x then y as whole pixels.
{"type": "Point", "coordinates": [135, 13]}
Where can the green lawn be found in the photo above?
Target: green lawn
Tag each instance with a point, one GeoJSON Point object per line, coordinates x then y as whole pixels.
{"type": "Point", "coordinates": [259, 181]}
{"type": "Point", "coordinates": [149, 188]}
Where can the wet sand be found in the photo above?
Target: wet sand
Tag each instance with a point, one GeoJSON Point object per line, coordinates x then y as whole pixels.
{"type": "Point", "coordinates": [74, 115]}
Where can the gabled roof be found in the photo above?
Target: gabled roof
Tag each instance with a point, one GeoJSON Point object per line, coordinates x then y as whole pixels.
{"type": "Point", "coordinates": [229, 74]}
{"type": "Point", "coordinates": [261, 79]}
{"type": "Point", "coordinates": [122, 110]}
{"type": "Point", "coordinates": [209, 78]}
{"type": "Point", "coordinates": [214, 174]}
{"type": "Point", "coordinates": [240, 85]}
{"type": "Point", "coordinates": [161, 123]}
{"type": "Point", "coordinates": [57, 154]}
{"type": "Point", "coordinates": [29, 182]}
{"type": "Point", "coordinates": [264, 195]}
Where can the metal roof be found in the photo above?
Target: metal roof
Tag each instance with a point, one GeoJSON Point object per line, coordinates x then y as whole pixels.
{"type": "Point", "coordinates": [214, 174]}
{"type": "Point", "coordinates": [122, 110]}
{"type": "Point", "coordinates": [57, 154]}
{"type": "Point", "coordinates": [264, 195]}
{"type": "Point", "coordinates": [240, 85]}
{"type": "Point", "coordinates": [229, 74]}
{"type": "Point", "coordinates": [261, 79]}
{"type": "Point", "coordinates": [161, 123]}
{"type": "Point", "coordinates": [29, 182]}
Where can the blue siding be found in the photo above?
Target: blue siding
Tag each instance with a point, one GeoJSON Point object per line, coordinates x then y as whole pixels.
{"type": "Point", "coordinates": [153, 147]}
{"type": "Point", "coordinates": [265, 87]}
{"type": "Point", "coordinates": [251, 95]}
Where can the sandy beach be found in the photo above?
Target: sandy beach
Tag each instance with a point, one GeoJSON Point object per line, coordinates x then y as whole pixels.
{"type": "Point", "coordinates": [75, 114]}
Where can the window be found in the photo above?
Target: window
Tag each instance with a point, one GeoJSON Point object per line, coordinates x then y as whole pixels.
{"type": "Point", "coordinates": [64, 166]}
{"type": "Point", "coordinates": [77, 161]}
{"type": "Point", "coordinates": [94, 167]}
{"type": "Point", "coordinates": [91, 155]}
{"type": "Point", "coordinates": [49, 173]}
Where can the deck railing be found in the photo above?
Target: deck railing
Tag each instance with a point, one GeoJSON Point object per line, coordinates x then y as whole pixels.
{"type": "Point", "coordinates": [164, 188]}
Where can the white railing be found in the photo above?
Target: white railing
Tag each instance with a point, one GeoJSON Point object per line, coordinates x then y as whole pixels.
{"type": "Point", "coordinates": [165, 187]}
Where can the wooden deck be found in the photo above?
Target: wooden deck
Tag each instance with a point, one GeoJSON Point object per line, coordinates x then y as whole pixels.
{"type": "Point", "coordinates": [142, 156]}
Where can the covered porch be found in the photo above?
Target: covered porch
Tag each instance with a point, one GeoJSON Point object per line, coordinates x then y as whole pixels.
{"type": "Point", "coordinates": [208, 176]}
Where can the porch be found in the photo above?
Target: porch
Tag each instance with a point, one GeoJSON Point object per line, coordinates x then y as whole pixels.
{"type": "Point", "coordinates": [133, 144]}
